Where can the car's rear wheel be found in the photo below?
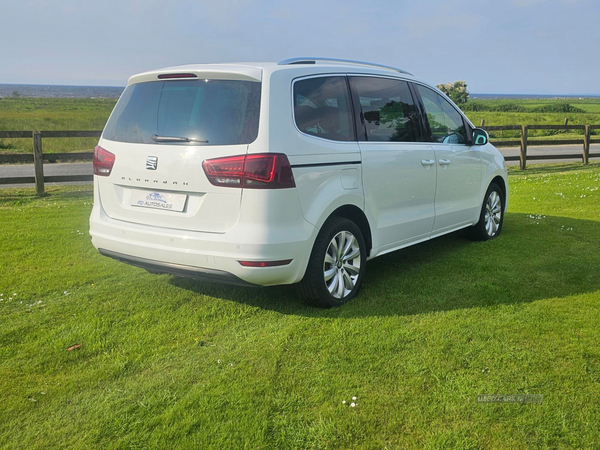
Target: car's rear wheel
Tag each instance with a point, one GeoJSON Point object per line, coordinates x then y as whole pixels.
{"type": "Point", "coordinates": [491, 216]}
{"type": "Point", "coordinates": [336, 266]}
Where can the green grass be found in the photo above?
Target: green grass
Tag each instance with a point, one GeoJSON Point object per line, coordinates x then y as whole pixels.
{"type": "Point", "coordinates": [173, 363]}
{"type": "Point", "coordinates": [531, 116]}
{"type": "Point", "coordinates": [91, 114]}
{"type": "Point", "coordinates": [24, 114]}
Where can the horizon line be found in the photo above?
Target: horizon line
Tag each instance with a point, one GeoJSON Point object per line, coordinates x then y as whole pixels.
{"type": "Point", "coordinates": [470, 93]}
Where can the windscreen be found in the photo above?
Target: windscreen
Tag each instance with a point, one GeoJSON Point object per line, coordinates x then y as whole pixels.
{"type": "Point", "coordinates": [203, 112]}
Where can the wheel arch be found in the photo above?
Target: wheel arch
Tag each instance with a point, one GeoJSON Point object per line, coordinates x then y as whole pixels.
{"type": "Point", "coordinates": [500, 181]}
{"type": "Point", "coordinates": [356, 215]}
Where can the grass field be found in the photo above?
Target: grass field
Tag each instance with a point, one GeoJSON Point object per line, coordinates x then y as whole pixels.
{"type": "Point", "coordinates": [23, 114]}
{"type": "Point", "coordinates": [17, 114]}
{"type": "Point", "coordinates": [173, 363]}
{"type": "Point", "coordinates": [531, 112]}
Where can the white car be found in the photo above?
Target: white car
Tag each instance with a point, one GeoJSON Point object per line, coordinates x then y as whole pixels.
{"type": "Point", "coordinates": [291, 172]}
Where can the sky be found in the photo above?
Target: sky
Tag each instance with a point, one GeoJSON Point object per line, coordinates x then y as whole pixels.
{"type": "Point", "coordinates": [496, 46]}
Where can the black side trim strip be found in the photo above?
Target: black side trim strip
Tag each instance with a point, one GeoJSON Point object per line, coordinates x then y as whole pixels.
{"type": "Point", "coordinates": [342, 163]}
{"type": "Point", "coordinates": [199, 273]}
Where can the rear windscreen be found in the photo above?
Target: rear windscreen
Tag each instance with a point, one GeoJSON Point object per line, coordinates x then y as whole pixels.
{"type": "Point", "coordinates": [210, 112]}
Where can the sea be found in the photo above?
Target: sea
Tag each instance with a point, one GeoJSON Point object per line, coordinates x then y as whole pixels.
{"type": "Point", "coordinates": [530, 96]}
{"type": "Point", "coordinates": [60, 91]}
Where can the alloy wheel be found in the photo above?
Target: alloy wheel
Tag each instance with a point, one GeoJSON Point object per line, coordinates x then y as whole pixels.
{"type": "Point", "coordinates": [341, 267]}
{"type": "Point", "coordinates": [493, 213]}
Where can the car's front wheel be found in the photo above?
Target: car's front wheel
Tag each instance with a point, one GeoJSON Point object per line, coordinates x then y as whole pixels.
{"type": "Point", "coordinates": [336, 266]}
{"type": "Point", "coordinates": [491, 216]}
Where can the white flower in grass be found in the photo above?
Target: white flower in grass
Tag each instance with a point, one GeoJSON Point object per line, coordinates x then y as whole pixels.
{"type": "Point", "coordinates": [352, 404]}
{"type": "Point", "coordinates": [353, 398]}
{"type": "Point", "coordinates": [343, 402]}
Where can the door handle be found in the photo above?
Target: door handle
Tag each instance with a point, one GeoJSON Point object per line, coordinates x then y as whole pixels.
{"type": "Point", "coordinates": [444, 162]}
{"type": "Point", "coordinates": [427, 162]}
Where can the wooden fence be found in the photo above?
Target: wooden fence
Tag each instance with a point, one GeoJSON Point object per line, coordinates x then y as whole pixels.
{"type": "Point", "coordinates": [524, 141]}
{"type": "Point", "coordinates": [38, 157]}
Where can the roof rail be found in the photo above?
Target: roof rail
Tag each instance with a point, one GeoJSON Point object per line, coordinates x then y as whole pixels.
{"type": "Point", "coordinates": [313, 60]}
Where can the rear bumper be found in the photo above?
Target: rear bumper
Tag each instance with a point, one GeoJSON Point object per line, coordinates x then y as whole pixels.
{"type": "Point", "coordinates": [203, 274]}
{"type": "Point", "coordinates": [208, 256]}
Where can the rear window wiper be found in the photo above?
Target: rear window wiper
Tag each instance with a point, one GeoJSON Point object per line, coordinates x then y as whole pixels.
{"type": "Point", "coordinates": [158, 138]}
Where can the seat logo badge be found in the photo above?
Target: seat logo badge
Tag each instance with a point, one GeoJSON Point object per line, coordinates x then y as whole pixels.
{"type": "Point", "coordinates": [151, 162]}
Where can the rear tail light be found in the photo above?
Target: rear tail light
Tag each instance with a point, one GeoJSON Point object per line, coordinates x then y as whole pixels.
{"type": "Point", "coordinates": [103, 162]}
{"type": "Point", "coordinates": [260, 171]}
{"type": "Point", "coordinates": [283, 262]}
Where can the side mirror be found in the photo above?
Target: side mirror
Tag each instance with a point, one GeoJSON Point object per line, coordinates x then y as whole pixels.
{"type": "Point", "coordinates": [480, 136]}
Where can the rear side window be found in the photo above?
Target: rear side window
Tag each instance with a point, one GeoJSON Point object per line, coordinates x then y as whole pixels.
{"type": "Point", "coordinates": [388, 112]}
{"type": "Point", "coordinates": [447, 125]}
{"type": "Point", "coordinates": [322, 108]}
{"type": "Point", "coordinates": [222, 112]}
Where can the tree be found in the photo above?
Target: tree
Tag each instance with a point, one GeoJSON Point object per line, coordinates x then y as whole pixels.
{"type": "Point", "coordinates": [16, 94]}
{"type": "Point", "coordinates": [457, 91]}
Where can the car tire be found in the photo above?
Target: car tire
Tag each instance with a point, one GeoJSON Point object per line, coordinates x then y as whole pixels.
{"type": "Point", "coordinates": [491, 216]}
{"type": "Point", "coordinates": [336, 266]}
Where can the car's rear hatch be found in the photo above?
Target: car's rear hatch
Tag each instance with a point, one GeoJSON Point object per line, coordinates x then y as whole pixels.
{"type": "Point", "coordinates": [161, 131]}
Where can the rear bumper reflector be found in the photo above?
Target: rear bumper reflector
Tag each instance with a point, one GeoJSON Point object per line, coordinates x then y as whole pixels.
{"type": "Point", "coordinates": [283, 262]}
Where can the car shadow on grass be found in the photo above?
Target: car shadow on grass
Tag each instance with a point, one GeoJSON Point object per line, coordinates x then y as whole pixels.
{"type": "Point", "coordinates": [536, 257]}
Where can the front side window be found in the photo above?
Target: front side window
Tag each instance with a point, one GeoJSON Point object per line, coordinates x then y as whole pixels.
{"type": "Point", "coordinates": [322, 108]}
{"type": "Point", "coordinates": [446, 123]}
{"type": "Point", "coordinates": [388, 112]}
{"type": "Point", "coordinates": [210, 112]}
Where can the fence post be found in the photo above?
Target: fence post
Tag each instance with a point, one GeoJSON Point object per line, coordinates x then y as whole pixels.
{"type": "Point", "coordinates": [586, 144]}
{"type": "Point", "coordinates": [523, 147]}
{"type": "Point", "coordinates": [482, 122]}
{"type": "Point", "coordinates": [566, 121]}
{"type": "Point", "coordinates": [38, 162]}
